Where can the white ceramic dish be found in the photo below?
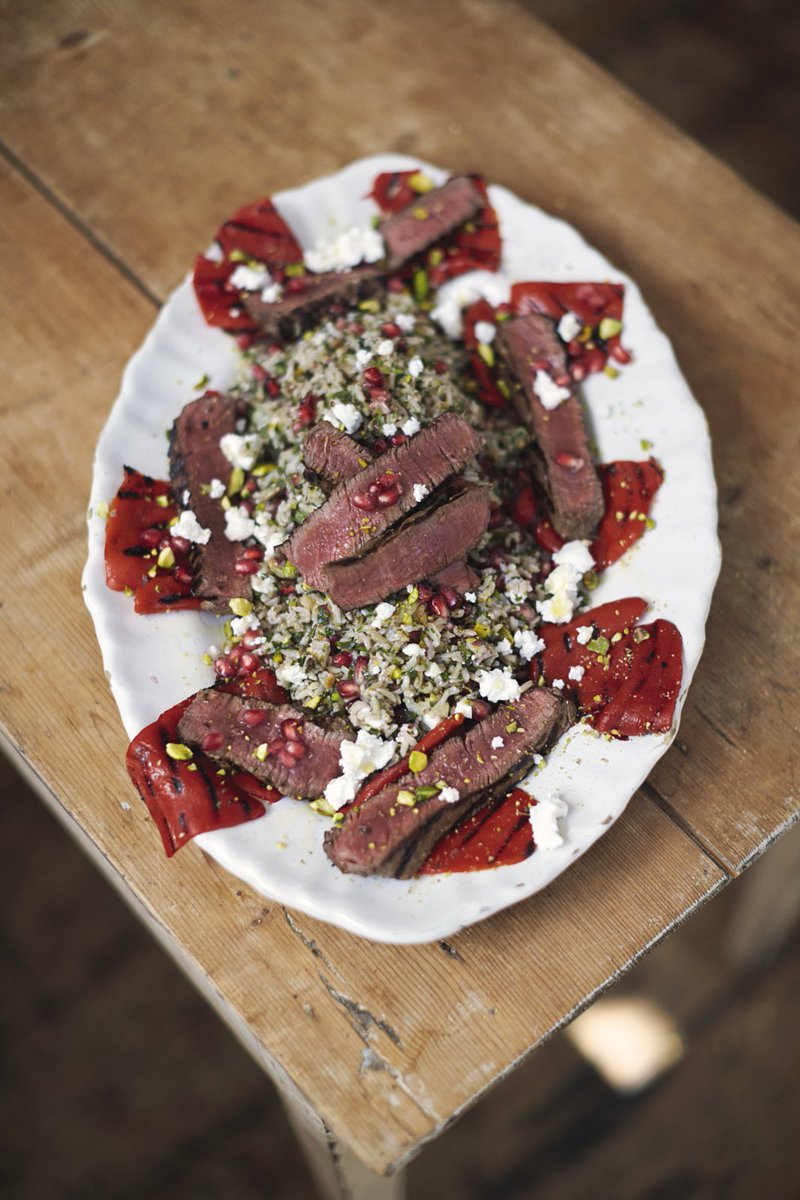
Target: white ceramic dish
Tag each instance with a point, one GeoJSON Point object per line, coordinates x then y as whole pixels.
{"type": "Point", "coordinates": [153, 662]}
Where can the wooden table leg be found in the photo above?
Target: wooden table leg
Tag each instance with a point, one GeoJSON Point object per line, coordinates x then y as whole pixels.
{"type": "Point", "coordinates": [338, 1174]}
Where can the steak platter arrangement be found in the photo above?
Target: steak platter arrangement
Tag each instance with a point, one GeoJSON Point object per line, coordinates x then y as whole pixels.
{"type": "Point", "coordinates": [396, 513]}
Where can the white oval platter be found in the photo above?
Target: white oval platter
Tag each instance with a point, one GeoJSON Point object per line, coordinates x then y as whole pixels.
{"type": "Point", "coordinates": [153, 662]}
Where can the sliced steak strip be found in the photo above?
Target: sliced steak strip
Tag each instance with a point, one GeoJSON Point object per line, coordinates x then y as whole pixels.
{"type": "Point", "coordinates": [352, 520]}
{"type": "Point", "coordinates": [332, 455]}
{"type": "Point", "coordinates": [194, 459]}
{"type": "Point", "coordinates": [301, 756]}
{"type": "Point", "coordinates": [562, 459]}
{"type": "Point", "coordinates": [384, 837]}
{"type": "Point", "coordinates": [311, 297]}
{"type": "Point", "coordinates": [419, 549]}
{"type": "Point", "coordinates": [430, 217]}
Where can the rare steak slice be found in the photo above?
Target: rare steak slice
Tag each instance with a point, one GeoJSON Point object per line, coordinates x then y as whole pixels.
{"type": "Point", "coordinates": [333, 456]}
{"type": "Point", "coordinates": [430, 217]}
{"type": "Point", "coordinates": [195, 459]}
{"type": "Point", "coordinates": [275, 742]}
{"type": "Point", "coordinates": [359, 512]}
{"type": "Point", "coordinates": [530, 349]}
{"type": "Point", "coordinates": [308, 300]}
{"type": "Point", "coordinates": [420, 548]}
{"type": "Point", "coordinates": [387, 836]}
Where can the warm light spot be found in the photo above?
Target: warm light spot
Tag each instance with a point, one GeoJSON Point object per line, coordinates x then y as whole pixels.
{"type": "Point", "coordinates": [630, 1042]}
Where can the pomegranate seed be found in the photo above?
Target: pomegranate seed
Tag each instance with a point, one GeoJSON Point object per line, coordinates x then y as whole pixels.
{"type": "Point", "coordinates": [348, 689]}
{"type": "Point", "coordinates": [258, 372]}
{"type": "Point", "coordinates": [594, 360]}
{"type": "Point", "coordinates": [480, 709]}
{"type": "Point", "coordinates": [297, 750]}
{"type": "Point", "coordinates": [373, 378]}
{"type": "Point", "coordinates": [295, 284]}
{"type": "Point", "coordinates": [564, 379]}
{"type": "Point", "coordinates": [246, 566]}
{"type": "Point", "coordinates": [425, 592]}
{"type": "Point", "coordinates": [212, 741]}
{"type": "Point", "coordinates": [287, 589]}
{"type": "Point", "coordinates": [273, 387]}
{"type": "Point", "coordinates": [248, 487]}
{"type": "Point", "coordinates": [244, 341]}
{"type": "Point", "coordinates": [578, 372]}
{"type": "Point", "coordinates": [342, 658]}
{"type": "Point", "coordinates": [251, 639]}
{"type": "Point", "coordinates": [379, 400]}
{"type": "Point", "coordinates": [235, 657]}
{"type": "Point", "coordinates": [276, 745]}
{"type": "Point", "coordinates": [183, 576]}
{"type": "Point", "coordinates": [224, 668]}
{"type": "Point", "coordinates": [570, 462]}
{"type": "Point", "coordinates": [391, 329]}
{"type": "Point", "coordinates": [389, 497]}
{"type": "Point", "coordinates": [397, 439]}
{"type": "Point", "coordinates": [365, 502]}
{"type": "Point", "coordinates": [360, 667]}
{"type": "Point", "coordinates": [249, 663]}
{"type": "Point", "coordinates": [356, 328]}
{"type": "Point", "coordinates": [440, 606]}
{"type": "Point", "coordinates": [248, 507]}
{"type": "Point", "coordinates": [251, 717]}
{"type": "Point", "coordinates": [288, 760]}
{"type": "Point", "coordinates": [380, 446]}
{"type": "Point", "coordinates": [289, 730]}
{"type": "Point", "coordinates": [450, 596]}
{"type": "Point", "coordinates": [574, 348]}
{"type": "Point", "coordinates": [620, 354]}
{"type": "Point", "coordinates": [440, 367]}
{"type": "Point", "coordinates": [254, 552]}
{"type": "Point", "coordinates": [151, 538]}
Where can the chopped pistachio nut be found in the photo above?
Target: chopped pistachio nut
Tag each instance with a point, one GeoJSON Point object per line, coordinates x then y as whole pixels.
{"type": "Point", "coordinates": [163, 501]}
{"type": "Point", "coordinates": [240, 607]}
{"type": "Point", "coordinates": [417, 761]}
{"type": "Point", "coordinates": [166, 558]}
{"type": "Point", "coordinates": [295, 270]}
{"type": "Point", "coordinates": [313, 702]}
{"type": "Point", "coordinates": [420, 284]}
{"type": "Point", "coordinates": [598, 645]}
{"type": "Point", "coordinates": [406, 798]}
{"type": "Point", "coordinates": [102, 510]}
{"type": "Point", "coordinates": [202, 382]}
{"type": "Point", "coordinates": [609, 327]}
{"type": "Point", "coordinates": [322, 807]}
{"type": "Point", "coordinates": [419, 213]}
{"type": "Point", "coordinates": [178, 751]}
{"type": "Point", "coordinates": [236, 481]}
{"type": "Point", "coordinates": [420, 183]}
{"type": "Point", "coordinates": [486, 353]}
{"type": "Point", "coordinates": [261, 751]}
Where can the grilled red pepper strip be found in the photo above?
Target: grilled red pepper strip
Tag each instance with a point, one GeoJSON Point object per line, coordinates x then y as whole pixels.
{"type": "Point", "coordinates": [440, 733]}
{"type": "Point", "coordinates": [628, 489]}
{"type": "Point", "coordinates": [138, 520]}
{"type": "Point", "coordinates": [488, 837]}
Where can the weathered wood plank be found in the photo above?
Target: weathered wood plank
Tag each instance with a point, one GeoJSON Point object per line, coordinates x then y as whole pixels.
{"type": "Point", "coordinates": [386, 1043]}
{"type": "Point", "coordinates": [211, 108]}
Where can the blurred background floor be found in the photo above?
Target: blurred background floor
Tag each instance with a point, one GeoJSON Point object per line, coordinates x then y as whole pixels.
{"type": "Point", "coordinates": [117, 1081]}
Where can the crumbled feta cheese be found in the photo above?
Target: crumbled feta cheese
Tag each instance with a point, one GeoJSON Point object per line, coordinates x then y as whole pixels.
{"type": "Point", "coordinates": [215, 253]}
{"type": "Point", "coordinates": [385, 348]}
{"type": "Point", "coordinates": [358, 759]}
{"type": "Point", "coordinates": [538, 759]}
{"type": "Point", "coordinates": [389, 429]}
{"type": "Point", "coordinates": [470, 596]}
{"type": "Point", "coordinates": [459, 293]}
{"type": "Point", "coordinates": [382, 612]}
{"type": "Point", "coordinates": [550, 393]}
{"type": "Point", "coordinates": [573, 561]}
{"type": "Point", "coordinates": [239, 525]}
{"type": "Point", "coordinates": [558, 683]}
{"type": "Point", "coordinates": [498, 685]}
{"type": "Point", "coordinates": [583, 634]}
{"type": "Point", "coordinates": [463, 709]}
{"type": "Point", "coordinates": [187, 526]}
{"type": "Point", "coordinates": [420, 492]}
{"type": "Point", "coordinates": [569, 327]}
{"type": "Point", "coordinates": [415, 366]}
{"type": "Point", "coordinates": [290, 675]}
{"type": "Point", "coordinates": [575, 555]}
{"type": "Point", "coordinates": [544, 817]}
{"type": "Point", "coordinates": [485, 332]}
{"type": "Point", "coordinates": [240, 449]}
{"type": "Point", "coordinates": [347, 415]}
{"type": "Point", "coordinates": [406, 321]}
{"type": "Point", "coordinates": [412, 650]}
{"type": "Point", "coordinates": [577, 673]}
{"type": "Point", "coordinates": [271, 293]}
{"type": "Point", "coordinates": [216, 489]}
{"type": "Point", "coordinates": [186, 498]}
{"type": "Point", "coordinates": [250, 279]}
{"type": "Point", "coordinates": [497, 742]}
{"type": "Point", "coordinates": [347, 249]}
{"type": "Point", "coordinates": [363, 357]}
{"type": "Point", "coordinates": [241, 625]}
{"type": "Point", "coordinates": [450, 795]}
{"type": "Point", "coordinates": [528, 644]}
{"type": "Point", "coordinates": [411, 426]}
{"type": "Point", "coordinates": [503, 647]}
{"type": "Point", "coordinates": [268, 535]}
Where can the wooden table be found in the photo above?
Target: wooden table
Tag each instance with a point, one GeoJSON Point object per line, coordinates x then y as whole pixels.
{"type": "Point", "coordinates": [129, 130]}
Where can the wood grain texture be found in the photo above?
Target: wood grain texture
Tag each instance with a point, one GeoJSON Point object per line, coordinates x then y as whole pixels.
{"type": "Point", "coordinates": [214, 105]}
{"type": "Point", "coordinates": [386, 1043]}
{"type": "Point", "coordinates": [147, 123]}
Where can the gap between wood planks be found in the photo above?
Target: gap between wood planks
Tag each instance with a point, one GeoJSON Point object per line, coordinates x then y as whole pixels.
{"type": "Point", "coordinates": [77, 224]}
